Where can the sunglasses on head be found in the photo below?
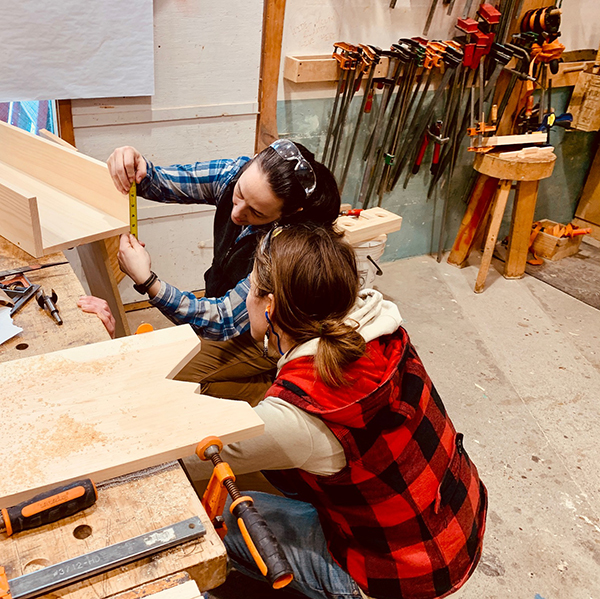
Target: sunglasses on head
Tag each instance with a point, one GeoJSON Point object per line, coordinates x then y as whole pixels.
{"type": "Point", "coordinates": [303, 170]}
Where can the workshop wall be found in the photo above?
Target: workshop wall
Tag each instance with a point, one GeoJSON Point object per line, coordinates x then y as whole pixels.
{"type": "Point", "coordinates": [303, 111]}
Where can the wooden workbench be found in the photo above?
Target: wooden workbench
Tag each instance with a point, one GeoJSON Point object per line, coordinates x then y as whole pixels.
{"type": "Point", "coordinates": [124, 510]}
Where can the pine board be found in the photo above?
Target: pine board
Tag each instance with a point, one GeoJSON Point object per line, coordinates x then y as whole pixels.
{"type": "Point", "coordinates": [107, 409]}
{"type": "Point", "coordinates": [53, 197]}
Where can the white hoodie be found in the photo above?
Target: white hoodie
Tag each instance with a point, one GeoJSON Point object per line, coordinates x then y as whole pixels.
{"type": "Point", "coordinates": [292, 437]}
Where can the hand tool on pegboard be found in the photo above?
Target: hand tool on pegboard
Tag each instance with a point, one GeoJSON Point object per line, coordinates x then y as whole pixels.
{"type": "Point", "coordinates": [55, 577]}
{"type": "Point", "coordinates": [396, 128]}
{"type": "Point", "coordinates": [452, 58]}
{"type": "Point", "coordinates": [387, 83]}
{"type": "Point", "coordinates": [256, 533]}
{"type": "Point", "coordinates": [372, 56]}
{"type": "Point", "coordinates": [355, 80]}
{"type": "Point", "coordinates": [346, 56]}
{"type": "Point", "coordinates": [49, 506]}
{"type": "Point", "coordinates": [405, 52]}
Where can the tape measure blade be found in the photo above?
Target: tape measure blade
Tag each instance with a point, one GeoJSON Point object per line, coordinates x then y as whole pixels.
{"type": "Point", "coordinates": [133, 210]}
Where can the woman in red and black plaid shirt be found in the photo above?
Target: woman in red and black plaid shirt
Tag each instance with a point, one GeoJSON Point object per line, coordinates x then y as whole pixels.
{"type": "Point", "coordinates": [381, 498]}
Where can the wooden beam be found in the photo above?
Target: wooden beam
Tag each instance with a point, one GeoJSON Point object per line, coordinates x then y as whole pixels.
{"type": "Point", "coordinates": [272, 37]}
{"type": "Point", "coordinates": [107, 409]}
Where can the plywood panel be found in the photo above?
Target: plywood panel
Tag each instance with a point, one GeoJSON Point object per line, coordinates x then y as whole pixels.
{"type": "Point", "coordinates": [107, 409]}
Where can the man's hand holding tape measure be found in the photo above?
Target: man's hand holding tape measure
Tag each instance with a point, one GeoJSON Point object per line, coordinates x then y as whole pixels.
{"type": "Point", "coordinates": [126, 166]}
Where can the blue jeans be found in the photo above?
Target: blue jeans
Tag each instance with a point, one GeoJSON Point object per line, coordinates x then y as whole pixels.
{"type": "Point", "coordinates": [296, 527]}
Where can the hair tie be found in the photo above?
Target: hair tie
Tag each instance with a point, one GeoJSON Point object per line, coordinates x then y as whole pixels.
{"type": "Point", "coordinates": [320, 330]}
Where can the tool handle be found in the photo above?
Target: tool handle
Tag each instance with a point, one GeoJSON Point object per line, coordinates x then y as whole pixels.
{"type": "Point", "coordinates": [262, 544]}
{"type": "Point", "coordinates": [50, 506]}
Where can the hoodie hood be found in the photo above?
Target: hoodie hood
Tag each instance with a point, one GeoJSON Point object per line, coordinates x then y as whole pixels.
{"type": "Point", "coordinates": [379, 324]}
{"type": "Point", "coordinates": [375, 317]}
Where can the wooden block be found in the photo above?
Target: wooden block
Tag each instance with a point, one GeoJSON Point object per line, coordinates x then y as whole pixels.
{"type": "Point", "coordinates": [107, 409]}
{"type": "Point", "coordinates": [322, 67]}
{"type": "Point", "coordinates": [370, 224]}
{"type": "Point", "coordinates": [552, 247]}
{"type": "Point", "coordinates": [53, 197]}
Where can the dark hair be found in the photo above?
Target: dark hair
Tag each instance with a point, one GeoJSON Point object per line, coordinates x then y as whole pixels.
{"type": "Point", "coordinates": [311, 272]}
{"type": "Point", "coordinates": [322, 207]}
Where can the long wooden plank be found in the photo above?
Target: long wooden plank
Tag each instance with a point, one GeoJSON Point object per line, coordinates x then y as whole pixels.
{"type": "Point", "coordinates": [107, 409]}
{"type": "Point", "coordinates": [64, 220]}
{"type": "Point", "coordinates": [67, 170]}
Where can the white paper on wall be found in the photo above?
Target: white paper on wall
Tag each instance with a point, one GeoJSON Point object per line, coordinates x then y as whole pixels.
{"type": "Point", "coordinates": [76, 49]}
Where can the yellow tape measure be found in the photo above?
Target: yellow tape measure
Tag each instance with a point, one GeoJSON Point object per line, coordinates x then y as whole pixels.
{"type": "Point", "coordinates": [133, 210]}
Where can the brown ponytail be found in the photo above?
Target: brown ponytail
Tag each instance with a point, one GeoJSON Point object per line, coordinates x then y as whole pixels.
{"type": "Point", "coordinates": [311, 271]}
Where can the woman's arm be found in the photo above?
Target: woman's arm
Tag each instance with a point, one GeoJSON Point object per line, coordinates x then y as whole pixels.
{"type": "Point", "coordinates": [198, 183]}
{"type": "Point", "coordinates": [215, 318]}
{"type": "Point", "coordinates": [292, 439]}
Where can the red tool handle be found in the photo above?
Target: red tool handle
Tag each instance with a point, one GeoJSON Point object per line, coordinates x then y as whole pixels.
{"type": "Point", "coordinates": [263, 546]}
{"type": "Point", "coordinates": [420, 155]}
{"type": "Point", "coordinates": [49, 506]}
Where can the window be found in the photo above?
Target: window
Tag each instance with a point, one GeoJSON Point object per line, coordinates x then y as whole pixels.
{"type": "Point", "coordinates": [31, 116]}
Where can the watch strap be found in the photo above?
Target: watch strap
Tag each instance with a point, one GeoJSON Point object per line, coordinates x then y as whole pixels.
{"type": "Point", "coordinates": [145, 286]}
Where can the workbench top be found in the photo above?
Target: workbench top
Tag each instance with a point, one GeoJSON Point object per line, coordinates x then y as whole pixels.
{"type": "Point", "coordinates": [123, 511]}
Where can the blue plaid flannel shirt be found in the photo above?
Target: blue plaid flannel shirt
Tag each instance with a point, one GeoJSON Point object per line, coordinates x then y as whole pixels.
{"type": "Point", "coordinates": [200, 183]}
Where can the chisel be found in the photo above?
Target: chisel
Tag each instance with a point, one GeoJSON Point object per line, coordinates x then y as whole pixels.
{"type": "Point", "coordinates": [48, 507]}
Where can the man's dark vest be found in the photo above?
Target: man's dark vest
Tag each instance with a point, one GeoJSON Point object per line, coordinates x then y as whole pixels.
{"type": "Point", "coordinates": [232, 261]}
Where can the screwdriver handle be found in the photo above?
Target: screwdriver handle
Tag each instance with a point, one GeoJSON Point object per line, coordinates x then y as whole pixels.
{"type": "Point", "coordinates": [261, 543]}
{"type": "Point", "coordinates": [49, 506]}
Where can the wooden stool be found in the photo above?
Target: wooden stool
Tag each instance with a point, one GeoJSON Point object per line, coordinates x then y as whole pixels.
{"type": "Point", "coordinates": [500, 171]}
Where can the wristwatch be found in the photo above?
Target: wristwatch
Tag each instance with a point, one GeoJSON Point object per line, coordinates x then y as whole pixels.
{"type": "Point", "coordinates": [143, 287]}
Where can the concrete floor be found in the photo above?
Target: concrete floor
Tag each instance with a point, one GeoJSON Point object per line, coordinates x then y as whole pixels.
{"type": "Point", "coordinates": [518, 369]}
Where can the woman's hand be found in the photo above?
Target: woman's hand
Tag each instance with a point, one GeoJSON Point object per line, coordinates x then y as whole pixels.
{"type": "Point", "coordinates": [95, 305]}
{"type": "Point", "coordinates": [125, 166]}
{"type": "Point", "coordinates": [134, 260]}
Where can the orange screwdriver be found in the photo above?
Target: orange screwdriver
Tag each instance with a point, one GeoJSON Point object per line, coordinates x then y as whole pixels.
{"type": "Point", "coordinates": [48, 507]}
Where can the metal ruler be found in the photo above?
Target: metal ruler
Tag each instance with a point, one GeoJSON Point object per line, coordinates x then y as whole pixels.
{"type": "Point", "coordinates": [133, 210]}
{"type": "Point", "coordinates": [91, 564]}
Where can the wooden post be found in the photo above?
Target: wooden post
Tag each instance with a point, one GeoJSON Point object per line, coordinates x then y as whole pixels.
{"type": "Point", "coordinates": [520, 229]}
{"type": "Point", "coordinates": [475, 215]}
{"type": "Point", "coordinates": [498, 207]}
{"type": "Point", "coordinates": [272, 36]}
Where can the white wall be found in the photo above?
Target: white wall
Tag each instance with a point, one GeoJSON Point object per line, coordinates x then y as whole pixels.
{"type": "Point", "coordinates": [313, 26]}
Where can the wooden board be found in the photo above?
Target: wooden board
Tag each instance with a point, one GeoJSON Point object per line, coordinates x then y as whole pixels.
{"type": "Point", "coordinates": [54, 197]}
{"type": "Point", "coordinates": [588, 208]}
{"type": "Point", "coordinates": [511, 140]}
{"type": "Point", "coordinates": [370, 224]}
{"type": "Point", "coordinates": [122, 512]}
{"type": "Point", "coordinates": [321, 67]}
{"type": "Point", "coordinates": [107, 409]}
